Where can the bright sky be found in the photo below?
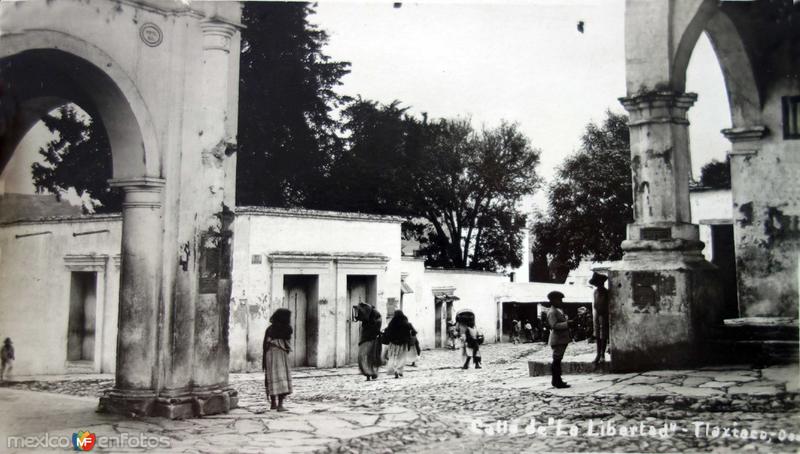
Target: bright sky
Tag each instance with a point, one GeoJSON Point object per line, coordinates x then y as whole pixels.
{"type": "Point", "coordinates": [523, 61]}
{"type": "Point", "coordinates": [520, 61]}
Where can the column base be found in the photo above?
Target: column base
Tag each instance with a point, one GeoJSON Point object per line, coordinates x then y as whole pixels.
{"type": "Point", "coordinates": [171, 405]}
{"type": "Point", "coordinates": [127, 402]}
{"type": "Point", "coordinates": [663, 303]}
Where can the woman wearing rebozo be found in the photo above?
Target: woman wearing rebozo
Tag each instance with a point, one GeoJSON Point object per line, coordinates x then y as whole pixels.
{"type": "Point", "coordinates": [275, 361]}
{"type": "Point", "coordinates": [398, 338]}
{"type": "Point", "coordinates": [369, 345]}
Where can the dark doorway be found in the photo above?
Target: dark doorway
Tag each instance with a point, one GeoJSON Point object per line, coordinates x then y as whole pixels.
{"type": "Point", "coordinates": [723, 255]}
{"type": "Point", "coordinates": [522, 312]}
{"type": "Point", "coordinates": [81, 325]}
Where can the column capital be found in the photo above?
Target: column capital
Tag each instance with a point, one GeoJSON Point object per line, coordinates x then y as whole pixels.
{"type": "Point", "coordinates": [141, 182]}
{"type": "Point", "coordinates": [745, 140]}
{"type": "Point", "coordinates": [217, 34]}
{"type": "Point", "coordinates": [658, 107]}
{"type": "Point", "coordinates": [144, 192]}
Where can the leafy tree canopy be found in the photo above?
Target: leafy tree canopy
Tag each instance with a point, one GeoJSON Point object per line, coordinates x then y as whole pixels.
{"type": "Point", "coordinates": [79, 157]}
{"type": "Point", "coordinates": [460, 185]}
{"type": "Point", "coordinates": [287, 132]}
{"type": "Point", "coordinates": [716, 174]}
{"type": "Point", "coordinates": [590, 200]}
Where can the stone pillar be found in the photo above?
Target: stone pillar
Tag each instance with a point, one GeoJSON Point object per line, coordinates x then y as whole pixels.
{"type": "Point", "coordinates": [137, 368]}
{"type": "Point", "coordinates": [751, 249]}
{"type": "Point", "coordinates": [664, 294]}
{"type": "Point", "coordinates": [215, 218]}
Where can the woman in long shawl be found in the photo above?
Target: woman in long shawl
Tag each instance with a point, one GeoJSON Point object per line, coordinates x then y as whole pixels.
{"type": "Point", "coordinates": [275, 361]}
{"type": "Point", "coordinates": [398, 335]}
{"type": "Point", "coordinates": [369, 345]}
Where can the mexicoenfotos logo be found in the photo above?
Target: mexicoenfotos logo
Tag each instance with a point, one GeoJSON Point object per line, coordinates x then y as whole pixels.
{"type": "Point", "coordinates": [87, 441]}
{"type": "Point", "coordinates": [83, 441]}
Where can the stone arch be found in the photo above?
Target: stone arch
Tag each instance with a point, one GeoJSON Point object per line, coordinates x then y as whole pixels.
{"type": "Point", "coordinates": [42, 69]}
{"type": "Point", "coordinates": [744, 97]}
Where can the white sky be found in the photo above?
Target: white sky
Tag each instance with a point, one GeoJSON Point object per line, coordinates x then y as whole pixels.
{"type": "Point", "coordinates": [524, 62]}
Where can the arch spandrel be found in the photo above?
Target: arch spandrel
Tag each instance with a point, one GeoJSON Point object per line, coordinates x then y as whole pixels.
{"type": "Point", "coordinates": [660, 38]}
{"type": "Point", "coordinates": [112, 93]}
{"type": "Point", "coordinates": [744, 95]}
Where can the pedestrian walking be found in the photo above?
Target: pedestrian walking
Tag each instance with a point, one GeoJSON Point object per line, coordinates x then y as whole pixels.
{"type": "Point", "coordinates": [559, 335]}
{"type": "Point", "coordinates": [275, 359]}
{"type": "Point", "coordinates": [398, 336]}
{"type": "Point", "coordinates": [6, 359]}
{"type": "Point", "coordinates": [369, 344]}
{"type": "Point", "coordinates": [600, 312]}
{"type": "Point", "coordinates": [470, 345]}
{"type": "Point", "coordinates": [528, 330]}
{"type": "Point", "coordinates": [515, 331]}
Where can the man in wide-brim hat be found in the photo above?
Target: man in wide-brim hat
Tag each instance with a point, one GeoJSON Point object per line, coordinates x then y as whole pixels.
{"type": "Point", "coordinates": [600, 315]}
{"type": "Point", "coordinates": [559, 335]}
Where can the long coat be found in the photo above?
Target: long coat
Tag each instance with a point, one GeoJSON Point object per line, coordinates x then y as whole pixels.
{"type": "Point", "coordinates": [559, 328]}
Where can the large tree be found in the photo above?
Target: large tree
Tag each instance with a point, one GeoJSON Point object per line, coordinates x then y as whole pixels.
{"type": "Point", "coordinates": [370, 174]}
{"type": "Point", "coordinates": [459, 187]}
{"type": "Point", "coordinates": [287, 130]}
{"type": "Point", "coordinates": [590, 200]}
{"type": "Point", "coordinates": [716, 174]}
{"type": "Point", "coordinates": [79, 157]}
{"type": "Point", "coordinates": [468, 187]}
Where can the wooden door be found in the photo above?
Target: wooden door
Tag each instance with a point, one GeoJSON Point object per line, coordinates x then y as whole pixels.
{"type": "Point", "coordinates": [356, 293]}
{"type": "Point", "coordinates": [438, 332]}
{"type": "Point", "coordinates": [297, 302]}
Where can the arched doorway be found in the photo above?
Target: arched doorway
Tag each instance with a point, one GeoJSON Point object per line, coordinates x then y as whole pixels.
{"type": "Point", "coordinates": [161, 78]}
{"type": "Point", "coordinates": [39, 79]}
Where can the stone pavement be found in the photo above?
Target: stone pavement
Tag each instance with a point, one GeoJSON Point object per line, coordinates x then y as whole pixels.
{"type": "Point", "coordinates": [439, 408]}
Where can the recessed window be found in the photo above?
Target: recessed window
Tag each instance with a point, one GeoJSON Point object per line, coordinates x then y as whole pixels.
{"type": "Point", "coordinates": [255, 259]}
{"type": "Point", "coordinates": [791, 117]}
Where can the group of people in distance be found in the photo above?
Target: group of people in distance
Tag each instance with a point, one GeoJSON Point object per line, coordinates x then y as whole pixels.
{"type": "Point", "coordinates": [400, 337]}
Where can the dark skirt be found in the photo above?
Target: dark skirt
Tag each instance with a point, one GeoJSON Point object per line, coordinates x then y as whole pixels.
{"type": "Point", "coordinates": [369, 357]}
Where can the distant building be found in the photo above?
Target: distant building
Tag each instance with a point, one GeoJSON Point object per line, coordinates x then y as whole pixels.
{"type": "Point", "coordinates": [316, 263]}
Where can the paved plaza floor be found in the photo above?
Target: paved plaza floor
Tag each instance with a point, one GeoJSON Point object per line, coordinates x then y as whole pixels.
{"type": "Point", "coordinates": [439, 408]}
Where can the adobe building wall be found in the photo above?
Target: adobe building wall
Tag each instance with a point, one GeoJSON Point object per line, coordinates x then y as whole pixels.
{"type": "Point", "coordinates": [36, 262]}
{"type": "Point", "coordinates": [766, 211]}
{"type": "Point", "coordinates": [272, 243]}
{"type": "Point", "coordinates": [475, 290]}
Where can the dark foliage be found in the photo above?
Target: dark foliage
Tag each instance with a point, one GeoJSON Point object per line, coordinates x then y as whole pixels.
{"type": "Point", "coordinates": [79, 156]}
{"type": "Point", "coordinates": [590, 201]}
{"type": "Point", "coordinates": [716, 174]}
{"type": "Point", "coordinates": [287, 134]}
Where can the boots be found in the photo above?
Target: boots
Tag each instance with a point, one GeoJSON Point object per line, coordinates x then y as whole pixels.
{"type": "Point", "coordinates": [555, 370]}
{"type": "Point", "coordinates": [477, 360]}
{"type": "Point", "coordinates": [466, 363]}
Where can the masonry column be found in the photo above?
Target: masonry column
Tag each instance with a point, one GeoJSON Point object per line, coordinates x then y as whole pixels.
{"type": "Point", "coordinates": [215, 218]}
{"type": "Point", "coordinates": [664, 293]}
{"type": "Point", "coordinates": [139, 297]}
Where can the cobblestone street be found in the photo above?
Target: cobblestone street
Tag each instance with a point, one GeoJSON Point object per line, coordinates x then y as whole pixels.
{"type": "Point", "coordinates": [438, 408]}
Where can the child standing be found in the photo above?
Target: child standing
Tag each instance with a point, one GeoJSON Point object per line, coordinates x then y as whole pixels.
{"type": "Point", "coordinates": [6, 359]}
